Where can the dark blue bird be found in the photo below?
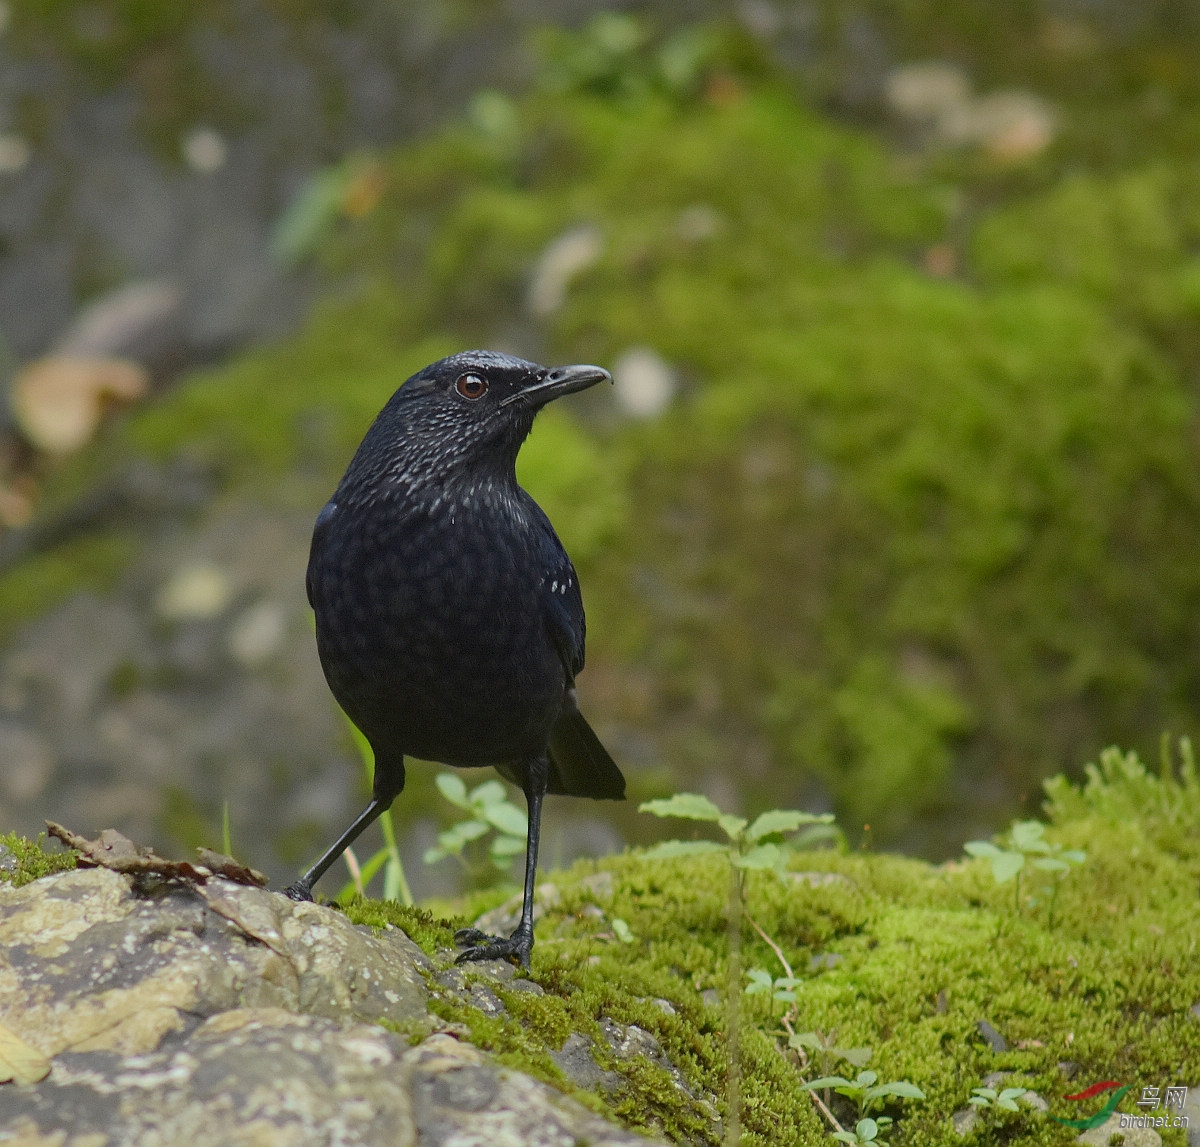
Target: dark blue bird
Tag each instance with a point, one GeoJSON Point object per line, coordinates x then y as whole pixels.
{"type": "Point", "coordinates": [449, 617]}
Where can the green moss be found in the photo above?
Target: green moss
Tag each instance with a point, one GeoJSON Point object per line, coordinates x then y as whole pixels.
{"type": "Point", "coordinates": [428, 931]}
{"type": "Point", "coordinates": [23, 860]}
{"type": "Point", "coordinates": [924, 952]}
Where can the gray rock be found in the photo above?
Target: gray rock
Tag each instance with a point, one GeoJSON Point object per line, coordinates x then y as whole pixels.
{"type": "Point", "coordinates": [630, 1042]}
{"type": "Point", "coordinates": [575, 1060]}
{"type": "Point", "coordinates": [217, 1014]}
{"type": "Point", "coordinates": [995, 1040]}
{"type": "Point", "coordinates": [1130, 1136]}
{"type": "Point", "coordinates": [89, 965]}
{"type": "Point", "coordinates": [266, 1077]}
{"type": "Point", "coordinates": [964, 1120]}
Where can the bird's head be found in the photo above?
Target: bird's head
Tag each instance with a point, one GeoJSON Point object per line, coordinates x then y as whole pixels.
{"type": "Point", "coordinates": [472, 409]}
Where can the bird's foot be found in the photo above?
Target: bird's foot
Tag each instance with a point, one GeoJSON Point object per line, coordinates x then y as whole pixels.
{"type": "Point", "coordinates": [480, 946]}
{"type": "Point", "coordinates": [298, 891]}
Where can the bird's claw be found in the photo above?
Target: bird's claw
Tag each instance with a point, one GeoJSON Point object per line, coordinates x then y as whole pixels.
{"type": "Point", "coordinates": [480, 946]}
{"type": "Point", "coordinates": [299, 891]}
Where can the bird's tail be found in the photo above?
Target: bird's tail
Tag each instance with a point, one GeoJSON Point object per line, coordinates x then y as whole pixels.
{"type": "Point", "coordinates": [581, 766]}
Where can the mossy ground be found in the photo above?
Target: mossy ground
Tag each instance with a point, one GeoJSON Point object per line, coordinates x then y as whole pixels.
{"type": "Point", "coordinates": [922, 953]}
{"type": "Point", "coordinates": [925, 952]}
{"type": "Point", "coordinates": [23, 860]}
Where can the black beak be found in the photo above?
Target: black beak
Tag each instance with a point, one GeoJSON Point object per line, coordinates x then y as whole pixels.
{"type": "Point", "coordinates": [561, 380]}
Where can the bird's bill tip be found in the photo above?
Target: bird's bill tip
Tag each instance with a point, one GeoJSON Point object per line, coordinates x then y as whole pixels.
{"type": "Point", "coordinates": [561, 380]}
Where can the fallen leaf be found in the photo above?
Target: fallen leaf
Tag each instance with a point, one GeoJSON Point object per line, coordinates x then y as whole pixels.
{"type": "Point", "coordinates": [117, 852]}
{"type": "Point", "coordinates": [57, 401]}
{"type": "Point", "coordinates": [235, 870]}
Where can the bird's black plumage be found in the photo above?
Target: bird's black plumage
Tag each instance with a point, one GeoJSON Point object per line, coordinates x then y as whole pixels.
{"type": "Point", "coordinates": [450, 623]}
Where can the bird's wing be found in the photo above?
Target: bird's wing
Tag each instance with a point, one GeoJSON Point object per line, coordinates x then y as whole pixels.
{"type": "Point", "coordinates": [562, 603]}
{"type": "Point", "coordinates": [320, 530]}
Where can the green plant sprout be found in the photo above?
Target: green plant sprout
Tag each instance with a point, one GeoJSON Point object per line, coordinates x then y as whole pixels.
{"type": "Point", "coordinates": [781, 989]}
{"type": "Point", "coordinates": [826, 1050]}
{"type": "Point", "coordinates": [1027, 846]}
{"type": "Point", "coordinates": [395, 884]}
{"type": "Point", "coordinates": [864, 1091]}
{"type": "Point", "coordinates": [490, 811]}
{"type": "Point", "coordinates": [760, 846]}
{"type": "Point", "coordinates": [750, 846]}
{"type": "Point", "coordinates": [866, 1131]}
{"type": "Point", "coordinates": [990, 1097]}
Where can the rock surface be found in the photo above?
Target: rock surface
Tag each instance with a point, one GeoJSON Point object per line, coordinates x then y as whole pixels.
{"type": "Point", "coordinates": [219, 1013]}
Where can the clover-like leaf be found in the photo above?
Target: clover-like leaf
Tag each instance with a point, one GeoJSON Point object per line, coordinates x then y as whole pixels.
{"type": "Point", "coordinates": [777, 821]}
{"type": "Point", "coordinates": [984, 848]}
{"type": "Point", "coordinates": [1007, 865]}
{"type": "Point", "coordinates": [506, 846]}
{"type": "Point", "coordinates": [1027, 835]}
{"type": "Point", "coordinates": [453, 789]}
{"type": "Point", "coordinates": [899, 1088]}
{"type": "Point", "coordinates": [507, 818]}
{"type": "Point", "coordinates": [487, 794]}
{"type": "Point", "coordinates": [1050, 864]}
{"type": "Point", "coordinates": [760, 981]}
{"type": "Point", "coordinates": [827, 1081]}
{"type": "Point", "coordinates": [623, 932]}
{"type": "Point", "coordinates": [858, 1056]}
{"type": "Point", "coordinates": [690, 806]}
{"type": "Point", "coordinates": [732, 825]}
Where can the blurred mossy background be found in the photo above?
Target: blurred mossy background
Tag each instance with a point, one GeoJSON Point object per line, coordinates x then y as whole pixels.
{"type": "Point", "coordinates": [911, 521]}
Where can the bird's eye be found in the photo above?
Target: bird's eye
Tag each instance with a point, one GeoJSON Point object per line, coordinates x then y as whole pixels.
{"type": "Point", "coordinates": [471, 386]}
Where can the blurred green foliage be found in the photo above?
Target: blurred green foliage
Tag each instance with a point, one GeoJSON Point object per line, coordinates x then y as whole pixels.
{"type": "Point", "coordinates": [918, 531]}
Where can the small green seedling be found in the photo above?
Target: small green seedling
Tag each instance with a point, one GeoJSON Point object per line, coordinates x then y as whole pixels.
{"type": "Point", "coordinates": [750, 846]}
{"type": "Point", "coordinates": [866, 1131]}
{"type": "Point", "coordinates": [826, 1050]}
{"type": "Point", "coordinates": [490, 811]}
{"type": "Point", "coordinates": [865, 1092]}
{"type": "Point", "coordinates": [990, 1097]}
{"type": "Point", "coordinates": [1027, 845]}
{"type": "Point", "coordinates": [782, 989]}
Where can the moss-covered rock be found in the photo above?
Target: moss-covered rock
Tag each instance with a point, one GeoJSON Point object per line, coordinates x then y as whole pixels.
{"type": "Point", "coordinates": [945, 975]}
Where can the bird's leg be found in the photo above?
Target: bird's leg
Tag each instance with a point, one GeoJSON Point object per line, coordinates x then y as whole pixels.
{"type": "Point", "coordinates": [302, 888]}
{"type": "Point", "coordinates": [518, 946]}
{"type": "Point", "coordinates": [389, 783]}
